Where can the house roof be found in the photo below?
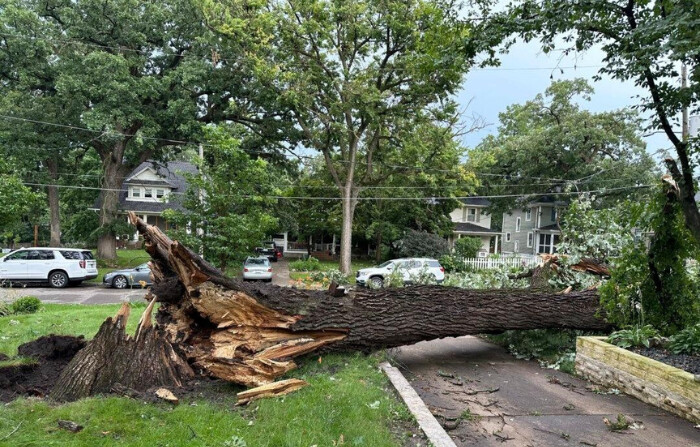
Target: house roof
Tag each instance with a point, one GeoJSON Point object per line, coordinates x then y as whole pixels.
{"type": "Point", "coordinates": [547, 200]}
{"type": "Point", "coordinates": [468, 227]}
{"type": "Point", "coordinates": [552, 227]}
{"type": "Point", "coordinates": [475, 201]}
{"type": "Point", "coordinates": [173, 177]}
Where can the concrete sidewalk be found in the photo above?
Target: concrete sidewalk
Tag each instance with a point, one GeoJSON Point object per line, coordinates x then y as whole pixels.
{"type": "Point", "coordinates": [516, 403]}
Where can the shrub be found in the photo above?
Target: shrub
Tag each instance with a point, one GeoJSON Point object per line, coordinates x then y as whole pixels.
{"type": "Point", "coordinates": [467, 247]}
{"type": "Point", "coordinates": [451, 264]}
{"type": "Point", "coordinates": [634, 337]}
{"type": "Point", "coordinates": [686, 341]}
{"type": "Point", "coordinates": [417, 244]}
{"type": "Point", "coordinates": [5, 309]}
{"type": "Point", "coordinates": [308, 265]}
{"type": "Point", "coordinates": [26, 305]}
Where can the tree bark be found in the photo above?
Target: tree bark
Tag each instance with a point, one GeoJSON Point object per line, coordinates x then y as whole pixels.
{"type": "Point", "coordinates": [54, 212]}
{"type": "Point", "coordinates": [112, 167]}
{"type": "Point", "coordinates": [349, 204]}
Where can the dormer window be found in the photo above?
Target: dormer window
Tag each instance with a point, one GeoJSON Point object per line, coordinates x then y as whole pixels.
{"type": "Point", "coordinates": [471, 215]}
{"type": "Point", "coordinates": [136, 192]}
{"type": "Point", "coordinates": [160, 193]}
{"type": "Point", "coordinates": [148, 194]}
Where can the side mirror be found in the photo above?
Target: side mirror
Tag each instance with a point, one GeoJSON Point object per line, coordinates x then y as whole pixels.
{"type": "Point", "coordinates": [390, 267]}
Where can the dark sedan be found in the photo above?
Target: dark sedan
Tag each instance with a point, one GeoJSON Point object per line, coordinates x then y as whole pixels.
{"type": "Point", "coordinates": [136, 277]}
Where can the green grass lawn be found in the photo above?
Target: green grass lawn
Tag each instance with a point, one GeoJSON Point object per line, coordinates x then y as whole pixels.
{"type": "Point", "coordinates": [348, 398]}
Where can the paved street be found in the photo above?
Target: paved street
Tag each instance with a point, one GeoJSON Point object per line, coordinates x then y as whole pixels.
{"type": "Point", "coordinates": [92, 293]}
{"type": "Point", "coordinates": [517, 403]}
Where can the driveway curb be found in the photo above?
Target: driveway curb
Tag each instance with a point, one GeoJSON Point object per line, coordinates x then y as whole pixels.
{"type": "Point", "coordinates": [427, 422]}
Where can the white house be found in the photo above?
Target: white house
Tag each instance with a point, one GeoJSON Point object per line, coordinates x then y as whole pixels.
{"type": "Point", "coordinates": [472, 219]}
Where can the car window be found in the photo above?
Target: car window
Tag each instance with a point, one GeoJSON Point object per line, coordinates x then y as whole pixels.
{"type": "Point", "coordinates": [20, 255]}
{"type": "Point", "coordinates": [39, 255]}
{"type": "Point", "coordinates": [87, 255]}
{"type": "Point", "coordinates": [256, 261]}
{"type": "Point", "coordinates": [71, 254]}
{"type": "Point", "coordinates": [143, 267]}
{"type": "Point", "coordinates": [434, 263]}
{"type": "Point", "coordinates": [385, 264]}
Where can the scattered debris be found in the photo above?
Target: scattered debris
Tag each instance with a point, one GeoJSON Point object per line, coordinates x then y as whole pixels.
{"type": "Point", "coordinates": [12, 432]}
{"type": "Point", "coordinates": [590, 444]}
{"type": "Point", "coordinates": [69, 425]}
{"type": "Point", "coordinates": [569, 407]}
{"type": "Point", "coordinates": [441, 373]}
{"type": "Point", "coordinates": [167, 395]}
{"type": "Point", "coordinates": [622, 423]}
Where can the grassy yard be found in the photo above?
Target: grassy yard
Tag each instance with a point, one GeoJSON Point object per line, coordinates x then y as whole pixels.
{"type": "Point", "coordinates": [348, 402]}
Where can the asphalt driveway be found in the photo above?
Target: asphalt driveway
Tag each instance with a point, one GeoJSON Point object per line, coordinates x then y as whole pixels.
{"type": "Point", "coordinates": [486, 397]}
{"type": "Point", "coordinates": [93, 293]}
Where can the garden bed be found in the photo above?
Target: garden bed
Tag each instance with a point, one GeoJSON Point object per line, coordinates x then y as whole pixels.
{"type": "Point", "coordinates": [649, 380]}
{"type": "Point", "coordinates": [689, 363]}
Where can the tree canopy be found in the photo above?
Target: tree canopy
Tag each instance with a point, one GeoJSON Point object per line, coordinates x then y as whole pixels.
{"type": "Point", "coordinates": [551, 144]}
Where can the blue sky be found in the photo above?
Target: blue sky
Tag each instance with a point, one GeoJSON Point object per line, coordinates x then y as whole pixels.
{"type": "Point", "coordinates": [519, 79]}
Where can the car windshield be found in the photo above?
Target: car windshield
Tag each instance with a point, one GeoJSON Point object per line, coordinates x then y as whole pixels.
{"type": "Point", "coordinates": [386, 264]}
{"type": "Point", "coordinates": [257, 261]}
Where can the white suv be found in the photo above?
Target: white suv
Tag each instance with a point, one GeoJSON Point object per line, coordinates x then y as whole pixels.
{"type": "Point", "coordinates": [57, 266]}
{"type": "Point", "coordinates": [408, 268]}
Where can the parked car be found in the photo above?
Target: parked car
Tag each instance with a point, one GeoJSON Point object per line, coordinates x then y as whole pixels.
{"type": "Point", "coordinates": [269, 249]}
{"type": "Point", "coordinates": [59, 267]}
{"type": "Point", "coordinates": [121, 279]}
{"type": "Point", "coordinates": [257, 268]}
{"type": "Point", "coordinates": [408, 268]}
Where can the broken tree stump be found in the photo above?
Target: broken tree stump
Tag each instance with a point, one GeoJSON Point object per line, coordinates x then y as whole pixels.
{"type": "Point", "coordinates": [250, 333]}
{"type": "Point", "coordinates": [113, 357]}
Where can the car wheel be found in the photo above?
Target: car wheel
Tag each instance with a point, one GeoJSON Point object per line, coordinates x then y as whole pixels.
{"type": "Point", "coordinates": [58, 280]}
{"type": "Point", "coordinates": [377, 281]}
{"type": "Point", "coordinates": [120, 282]}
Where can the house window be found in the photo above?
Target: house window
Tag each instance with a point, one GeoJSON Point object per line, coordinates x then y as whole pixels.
{"type": "Point", "coordinates": [545, 243]}
{"type": "Point", "coordinates": [507, 237]}
{"type": "Point", "coordinates": [517, 225]}
{"type": "Point", "coordinates": [554, 214]}
{"type": "Point", "coordinates": [530, 238]}
{"type": "Point", "coordinates": [516, 246]}
{"type": "Point", "coordinates": [471, 215]}
{"type": "Point", "coordinates": [160, 193]}
{"type": "Point", "coordinates": [136, 192]}
{"type": "Point", "coordinates": [148, 194]}
{"type": "Point", "coordinates": [528, 214]}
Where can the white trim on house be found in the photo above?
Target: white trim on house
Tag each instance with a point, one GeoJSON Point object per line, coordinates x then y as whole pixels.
{"type": "Point", "coordinates": [508, 236]}
{"type": "Point", "coordinates": [528, 214]}
{"type": "Point", "coordinates": [530, 239]}
{"type": "Point", "coordinates": [517, 224]}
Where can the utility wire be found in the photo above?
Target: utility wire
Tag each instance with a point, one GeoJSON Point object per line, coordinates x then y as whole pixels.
{"type": "Point", "coordinates": [495, 196]}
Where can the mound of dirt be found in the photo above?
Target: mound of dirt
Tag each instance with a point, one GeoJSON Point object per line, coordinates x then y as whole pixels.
{"type": "Point", "coordinates": [51, 354]}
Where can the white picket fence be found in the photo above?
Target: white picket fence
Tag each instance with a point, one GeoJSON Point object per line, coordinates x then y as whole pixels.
{"type": "Point", "coordinates": [497, 263]}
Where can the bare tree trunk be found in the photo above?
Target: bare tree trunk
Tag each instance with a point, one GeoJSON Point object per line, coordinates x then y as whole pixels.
{"type": "Point", "coordinates": [112, 169]}
{"type": "Point", "coordinates": [349, 204]}
{"type": "Point", "coordinates": [54, 211]}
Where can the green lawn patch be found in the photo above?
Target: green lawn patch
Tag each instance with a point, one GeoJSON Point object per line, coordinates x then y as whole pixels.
{"type": "Point", "coordinates": [330, 265]}
{"type": "Point", "coordinates": [348, 402]}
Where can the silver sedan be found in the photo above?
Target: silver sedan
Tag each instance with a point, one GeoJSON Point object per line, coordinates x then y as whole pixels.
{"type": "Point", "coordinates": [121, 279]}
{"type": "Point", "coordinates": [257, 268]}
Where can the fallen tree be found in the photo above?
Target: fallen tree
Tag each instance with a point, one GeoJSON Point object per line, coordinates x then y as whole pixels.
{"type": "Point", "coordinates": [250, 333]}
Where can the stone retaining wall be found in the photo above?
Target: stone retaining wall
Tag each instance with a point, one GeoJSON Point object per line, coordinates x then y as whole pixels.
{"type": "Point", "coordinates": [648, 380]}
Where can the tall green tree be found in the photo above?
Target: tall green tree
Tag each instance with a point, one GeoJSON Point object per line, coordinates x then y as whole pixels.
{"type": "Point", "coordinates": [16, 198]}
{"type": "Point", "coordinates": [644, 42]}
{"type": "Point", "coordinates": [228, 206]}
{"type": "Point", "coordinates": [127, 79]}
{"type": "Point", "coordinates": [551, 144]}
{"type": "Point", "coordinates": [350, 73]}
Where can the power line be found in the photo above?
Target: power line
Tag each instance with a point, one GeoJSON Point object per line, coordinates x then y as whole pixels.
{"type": "Point", "coordinates": [430, 198]}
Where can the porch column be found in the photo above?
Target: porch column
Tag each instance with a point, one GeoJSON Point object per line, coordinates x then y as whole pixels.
{"type": "Point", "coordinates": [495, 245]}
{"type": "Point", "coordinates": [333, 246]}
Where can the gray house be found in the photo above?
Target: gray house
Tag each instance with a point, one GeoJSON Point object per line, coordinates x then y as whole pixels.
{"type": "Point", "coordinates": [152, 188]}
{"type": "Point", "coordinates": [534, 228]}
{"type": "Point", "coordinates": [471, 219]}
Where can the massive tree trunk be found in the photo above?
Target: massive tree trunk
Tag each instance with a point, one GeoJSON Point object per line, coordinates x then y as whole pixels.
{"type": "Point", "coordinates": [250, 333]}
{"type": "Point", "coordinates": [114, 171]}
